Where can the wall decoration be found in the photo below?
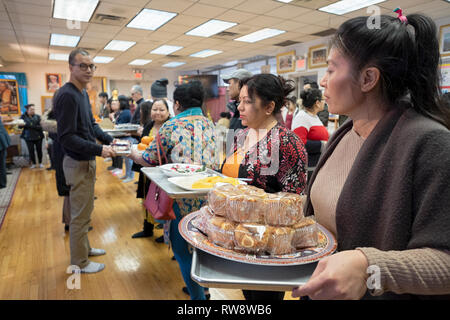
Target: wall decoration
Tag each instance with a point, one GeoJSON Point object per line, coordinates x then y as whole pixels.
{"type": "Point", "coordinates": [9, 97]}
{"type": "Point", "coordinates": [286, 62]}
{"type": "Point", "coordinates": [444, 40]}
{"type": "Point", "coordinates": [53, 81]}
{"type": "Point", "coordinates": [97, 85]}
{"type": "Point", "coordinates": [317, 56]}
{"type": "Point", "coordinates": [46, 103]}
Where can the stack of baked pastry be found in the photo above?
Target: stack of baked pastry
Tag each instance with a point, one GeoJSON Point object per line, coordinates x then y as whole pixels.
{"type": "Point", "coordinates": [247, 219]}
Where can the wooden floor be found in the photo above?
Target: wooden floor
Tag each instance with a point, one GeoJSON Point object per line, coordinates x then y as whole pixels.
{"type": "Point", "coordinates": [34, 248]}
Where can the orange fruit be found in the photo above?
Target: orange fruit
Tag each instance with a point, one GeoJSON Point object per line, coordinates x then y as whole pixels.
{"type": "Point", "coordinates": [142, 146]}
{"type": "Point", "coordinates": [146, 140]}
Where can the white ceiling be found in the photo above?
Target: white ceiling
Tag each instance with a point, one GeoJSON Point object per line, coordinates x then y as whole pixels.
{"type": "Point", "coordinates": [26, 25]}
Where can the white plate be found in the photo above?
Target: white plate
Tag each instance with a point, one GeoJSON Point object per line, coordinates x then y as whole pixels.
{"type": "Point", "coordinates": [166, 169]}
{"type": "Point", "coordinates": [186, 182]}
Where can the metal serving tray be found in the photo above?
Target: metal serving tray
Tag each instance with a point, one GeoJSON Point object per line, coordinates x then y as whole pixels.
{"type": "Point", "coordinates": [214, 272]}
{"type": "Point", "coordinates": [158, 177]}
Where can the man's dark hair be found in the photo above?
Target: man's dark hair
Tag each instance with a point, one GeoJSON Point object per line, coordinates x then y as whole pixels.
{"type": "Point", "coordinates": [103, 95]}
{"type": "Point", "coordinates": [29, 105]}
{"type": "Point", "coordinates": [75, 52]}
{"type": "Point", "coordinates": [314, 85]}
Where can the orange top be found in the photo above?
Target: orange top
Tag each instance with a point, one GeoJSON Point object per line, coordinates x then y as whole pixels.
{"type": "Point", "coordinates": [232, 164]}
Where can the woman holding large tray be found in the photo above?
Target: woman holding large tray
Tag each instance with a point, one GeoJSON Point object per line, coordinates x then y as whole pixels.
{"type": "Point", "coordinates": [386, 172]}
{"type": "Point", "coordinates": [272, 157]}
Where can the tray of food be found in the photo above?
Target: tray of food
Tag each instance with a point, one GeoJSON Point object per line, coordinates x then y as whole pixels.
{"type": "Point", "coordinates": [121, 147]}
{"type": "Point", "coordinates": [202, 182]}
{"type": "Point", "coordinates": [244, 224]}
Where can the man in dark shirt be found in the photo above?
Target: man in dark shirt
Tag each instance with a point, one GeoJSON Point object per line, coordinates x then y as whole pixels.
{"type": "Point", "coordinates": [137, 95]}
{"type": "Point", "coordinates": [77, 133]}
{"type": "Point", "coordinates": [233, 90]}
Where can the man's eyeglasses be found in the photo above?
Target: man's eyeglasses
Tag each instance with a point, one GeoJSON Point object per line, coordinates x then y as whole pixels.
{"type": "Point", "coordinates": [84, 66]}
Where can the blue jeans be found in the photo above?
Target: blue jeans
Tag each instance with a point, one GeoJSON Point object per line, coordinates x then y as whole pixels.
{"type": "Point", "coordinates": [184, 257]}
{"type": "Point", "coordinates": [129, 162]}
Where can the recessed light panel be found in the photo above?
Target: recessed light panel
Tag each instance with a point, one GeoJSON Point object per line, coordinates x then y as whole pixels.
{"type": "Point", "coordinates": [205, 53]}
{"type": "Point", "coordinates": [166, 49]}
{"type": "Point", "coordinates": [149, 19]}
{"type": "Point", "coordinates": [79, 10]}
{"type": "Point", "coordinates": [119, 45]}
{"type": "Point", "coordinates": [63, 40]}
{"type": "Point", "coordinates": [139, 62]}
{"type": "Point", "coordinates": [346, 6]}
{"type": "Point", "coordinates": [210, 28]}
{"type": "Point", "coordinates": [260, 35]}
{"type": "Point", "coordinates": [173, 64]}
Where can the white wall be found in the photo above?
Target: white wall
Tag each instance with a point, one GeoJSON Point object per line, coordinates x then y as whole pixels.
{"type": "Point", "coordinates": [123, 76]}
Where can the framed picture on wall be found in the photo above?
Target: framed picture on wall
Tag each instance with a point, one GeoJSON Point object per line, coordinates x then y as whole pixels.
{"type": "Point", "coordinates": [46, 103]}
{"type": "Point", "coordinates": [53, 81]}
{"type": "Point", "coordinates": [317, 56]}
{"type": "Point", "coordinates": [286, 62]}
{"type": "Point", "coordinates": [9, 97]}
{"type": "Point", "coordinates": [444, 40]}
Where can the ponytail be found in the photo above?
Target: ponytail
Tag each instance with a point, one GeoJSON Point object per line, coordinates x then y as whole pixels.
{"type": "Point", "coordinates": [407, 55]}
{"type": "Point", "coordinates": [424, 77]}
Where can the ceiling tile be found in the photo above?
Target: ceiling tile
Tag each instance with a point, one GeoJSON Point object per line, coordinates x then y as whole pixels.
{"type": "Point", "coordinates": [206, 11]}
{"type": "Point", "coordinates": [290, 25]}
{"type": "Point", "coordinates": [258, 6]}
{"type": "Point", "coordinates": [67, 24]}
{"type": "Point", "coordinates": [313, 4]}
{"type": "Point", "coordinates": [133, 3]}
{"type": "Point", "coordinates": [4, 15]}
{"type": "Point", "coordinates": [264, 21]}
{"type": "Point", "coordinates": [288, 12]}
{"type": "Point", "coordinates": [28, 8]}
{"type": "Point", "coordinates": [236, 16]}
{"type": "Point", "coordinates": [120, 10]}
{"type": "Point", "coordinates": [189, 21]}
{"type": "Point", "coordinates": [176, 6]}
{"type": "Point", "coordinates": [29, 19]}
{"type": "Point", "coordinates": [223, 4]}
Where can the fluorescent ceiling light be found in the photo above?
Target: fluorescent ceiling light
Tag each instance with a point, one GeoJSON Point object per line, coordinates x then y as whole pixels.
{"type": "Point", "coordinates": [100, 59]}
{"type": "Point", "coordinates": [63, 40]}
{"type": "Point", "coordinates": [119, 45]}
{"type": "Point", "coordinates": [173, 64]}
{"type": "Point", "coordinates": [260, 35]}
{"type": "Point", "coordinates": [149, 19]}
{"type": "Point", "coordinates": [210, 28]}
{"type": "Point", "coordinates": [79, 10]}
{"type": "Point", "coordinates": [205, 53]}
{"type": "Point", "coordinates": [346, 6]}
{"type": "Point", "coordinates": [166, 49]}
{"type": "Point", "coordinates": [139, 62]}
{"type": "Point", "coordinates": [285, 1]}
{"type": "Point", "coordinates": [58, 56]}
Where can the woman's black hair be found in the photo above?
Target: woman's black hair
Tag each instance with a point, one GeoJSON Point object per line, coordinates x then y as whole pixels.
{"type": "Point", "coordinates": [407, 56]}
{"type": "Point", "coordinates": [269, 87]}
{"type": "Point", "coordinates": [225, 115]}
{"type": "Point", "coordinates": [189, 95]}
{"type": "Point", "coordinates": [310, 97]}
{"type": "Point", "coordinates": [124, 104]}
{"type": "Point", "coordinates": [146, 110]}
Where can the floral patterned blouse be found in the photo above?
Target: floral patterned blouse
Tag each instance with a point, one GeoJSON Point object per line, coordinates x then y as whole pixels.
{"type": "Point", "coordinates": [187, 138]}
{"type": "Point", "coordinates": [275, 163]}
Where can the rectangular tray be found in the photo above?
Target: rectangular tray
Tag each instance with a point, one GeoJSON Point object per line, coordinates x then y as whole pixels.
{"type": "Point", "coordinates": [161, 180]}
{"type": "Point", "coordinates": [214, 272]}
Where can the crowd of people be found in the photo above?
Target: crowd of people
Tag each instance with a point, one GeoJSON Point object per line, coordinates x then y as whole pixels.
{"type": "Point", "coordinates": [379, 184]}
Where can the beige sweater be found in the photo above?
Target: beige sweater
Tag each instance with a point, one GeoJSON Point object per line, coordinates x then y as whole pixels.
{"type": "Point", "coordinates": [419, 271]}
